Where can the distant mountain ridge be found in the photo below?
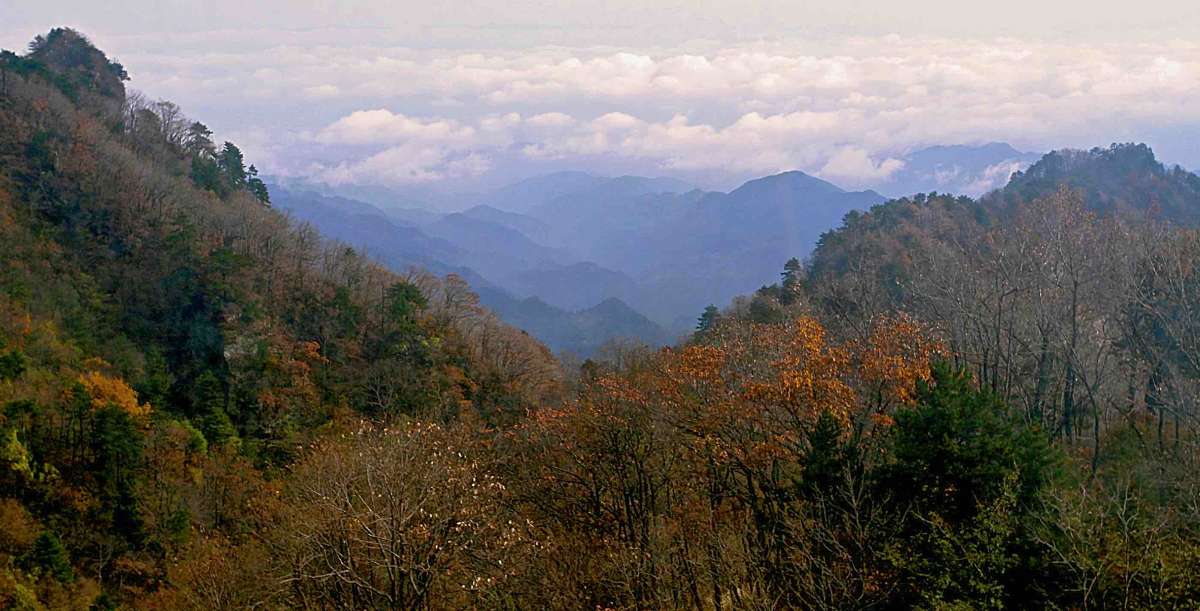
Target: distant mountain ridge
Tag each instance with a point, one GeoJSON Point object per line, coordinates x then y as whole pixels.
{"type": "Point", "coordinates": [524, 196]}
{"type": "Point", "coordinates": [439, 248]}
{"type": "Point", "coordinates": [660, 246]}
{"type": "Point", "coordinates": [956, 169]}
{"type": "Point", "coordinates": [1121, 177]}
{"type": "Point", "coordinates": [690, 249]}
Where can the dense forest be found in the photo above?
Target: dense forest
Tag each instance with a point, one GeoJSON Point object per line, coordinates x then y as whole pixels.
{"type": "Point", "coordinates": [953, 404]}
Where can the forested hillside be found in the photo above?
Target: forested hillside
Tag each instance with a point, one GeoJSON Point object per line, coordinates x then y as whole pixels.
{"type": "Point", "coordinates": [955, 404]}
{"type": "Point", "coordinates": [1070, 295]}
{"type": "Point", "coordinates": [170, 344]}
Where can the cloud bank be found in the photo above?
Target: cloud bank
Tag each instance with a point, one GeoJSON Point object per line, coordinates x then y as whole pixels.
{"type": "Point", "coordinates": [848, 110]}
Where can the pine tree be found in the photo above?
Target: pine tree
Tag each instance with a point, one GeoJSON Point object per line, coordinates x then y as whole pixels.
{"type": "Point", "coordinates": [256, 186]}
{"type": "Point", "coordinates": [49, 557]}
{"type": "Point", "coordinates": [707, 319]}
{"type": "Point", "coordinates": [232, 166]}
{"type": "Point", "coordinates": [790, 287]}
{"type": "Point", "coordinates": [209, 403]}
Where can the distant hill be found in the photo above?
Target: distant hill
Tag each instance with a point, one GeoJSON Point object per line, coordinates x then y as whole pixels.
{"type": "Point", "coordinates": [957, 170]}
{"type": "Point", "coordinates": [1119, 178]}
{"type": "Point", "coordinates": [532, 228]}
{"type": "Point", "coordinates": [367, 228]}
{"type": "Point", "coordinates": [495, 250]}
{"type": "Point", "coordinates": [1122, 179]}
{"type": "Point", "coordinates": [577, 286]}
{"type": "Point", "coordinates": [526, 195]}
{"type": "Point", "coordinates": [580, 332]}
{"type": "Point", "coordinates": [694, 248]}
{"type": "Point", "coordinates": [471, 248]}
{"type": "Point", "coordinates": [658, 245]}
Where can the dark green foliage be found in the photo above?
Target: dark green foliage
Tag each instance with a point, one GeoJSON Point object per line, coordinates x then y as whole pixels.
{"type": "Point", "coordinates": [117, 447]}
{"type": "Point", "coordinates": [198, 143]}
{"type": "Point", "coordinates": [404, 301]}
{"type": "Point", "coordinates": [209, 402]}
{"type": "Point", "coordinates": [232, 166]}
{"type": "Point", "coordinates": [206, 174]}
{"type": "Point", "coordinates": [968, 474]}
{"type": "Point", "coordinates": [403, 337]}
{"type": "Point", "coordinates": [223, 172]}
{"type": "Point", "coordinates": [707, 319]}
{"type": "Point", "coordinates": [789, 287]}
{"type": "Point", "coordinates": [104, 602]}
{"type": "Point", "coordinates": [766, 310]}
{"type": "Point", "coordinates": [884, 235]}
{"type": "Point", "coordinates": [256, 186]}
{"type": "Point", "coordinates": [155, 386]}
{"type": "Point", "coordinates": [1120, 178]}
{"type": "Point", "coordinates": [826, 456]}
{"type": "Point", "coordinates": [12, 364]}
{"type": "Point", "coordinates": [49, 557]}
{"type": "Point", "coordinates": [73, 65]}
{"type": "Point", "coordinates": [956, 447]}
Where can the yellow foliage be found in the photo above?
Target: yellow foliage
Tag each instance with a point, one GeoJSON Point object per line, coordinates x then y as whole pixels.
{"type": "Point", "coordinates": [106, 391]}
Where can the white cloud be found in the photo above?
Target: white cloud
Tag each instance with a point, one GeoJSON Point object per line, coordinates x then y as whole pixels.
{"type": "Point", "coordinates": [993, 177]}
{"type": "Point", "coordinates": [322, 91]}
{"type": "Point", "coordinates": [843, 109]}
{"type": "Point", "coordinates": [383, 126]}
{"type": "Point", "coordinates": [550, 119]}
{"type": "Point", "coordinates": [853, 166]}
{"type": "Point", "coordinates": [406, 164]}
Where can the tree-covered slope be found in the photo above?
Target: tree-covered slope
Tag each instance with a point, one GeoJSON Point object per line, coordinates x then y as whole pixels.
{"type": "Point", "coordinates": [168, 341]}
{"type": "Point", "coordinates": [1124, 178]}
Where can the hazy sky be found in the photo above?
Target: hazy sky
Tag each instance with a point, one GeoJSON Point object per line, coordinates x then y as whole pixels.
{"type": "Point", "coordinates": [713, 91]}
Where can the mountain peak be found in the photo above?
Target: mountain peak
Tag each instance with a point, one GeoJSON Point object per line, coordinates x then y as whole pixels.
{"type": "Point", "coordinates": [793, 182]}
{"type": "Point", "coordinates": [1125, 156]}
{"type": "Point", "coordinates": [1120, 177]}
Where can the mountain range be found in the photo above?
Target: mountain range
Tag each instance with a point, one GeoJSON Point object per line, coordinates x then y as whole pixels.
{"type": "Point", "coordinates": [577, 259]}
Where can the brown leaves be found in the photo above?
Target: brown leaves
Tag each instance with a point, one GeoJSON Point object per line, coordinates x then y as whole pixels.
{"type": "Point", "coordinates": [894, 358]}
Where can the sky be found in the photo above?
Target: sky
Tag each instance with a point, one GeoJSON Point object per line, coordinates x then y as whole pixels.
{"type": "Point", "coordinates": [464, 94]}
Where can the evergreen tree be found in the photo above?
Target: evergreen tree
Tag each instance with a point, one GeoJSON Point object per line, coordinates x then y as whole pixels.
{"type": "Point", "coordinates": [966, 474]}
{"type": "Point", "coordinates": [118, 450]}
{"type": "Point", "coordinates": [12, 364]}
{"type": "Point", "coordinates": [197, 141]}
{"type": "Point", "coordinates": [205, 174]}
{"type": "Point", "coordinates": [256, 186]}
{"type": "Point", "coordinates": [955, 448]}
{"type": "Point", "coordinates": [232, 166]}
{"type": "Point", "coordinates": [209, 403]}
{"type": "Point", "coordinates": [790, 287]}
{"type": "Point", "coordinates": [707, 319]}
{"type": "Point", "coordinates": [49, 557]}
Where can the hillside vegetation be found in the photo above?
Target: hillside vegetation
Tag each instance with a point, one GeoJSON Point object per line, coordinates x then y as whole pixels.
{"type": "Point", "coordinates": [204, 404]}
{"type": "Point", "coordinates": [170, 343]}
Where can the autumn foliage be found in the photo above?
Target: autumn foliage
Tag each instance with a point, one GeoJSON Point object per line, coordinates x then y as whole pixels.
{"type": "Point", "coordinates": [204, 405]}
